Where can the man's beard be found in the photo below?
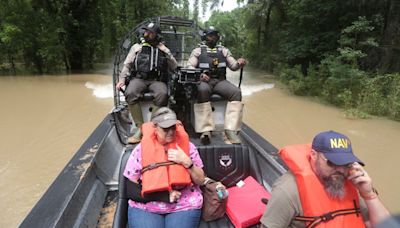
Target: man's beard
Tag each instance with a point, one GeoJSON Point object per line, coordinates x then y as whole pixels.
{"type": "Point", "coordinates": [334, 184]}
{"type": "Point", "coordinates": [152, 42]}
{"type": "Point", "coordinates": [211, 43]}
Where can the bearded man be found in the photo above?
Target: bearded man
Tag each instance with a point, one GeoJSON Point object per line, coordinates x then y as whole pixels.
{"type": "Point", "coordinates": [326, 186]}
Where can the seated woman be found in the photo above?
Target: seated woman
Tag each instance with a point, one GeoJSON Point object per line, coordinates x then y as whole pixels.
{"type": "Point", "coordinates": [165, 161]}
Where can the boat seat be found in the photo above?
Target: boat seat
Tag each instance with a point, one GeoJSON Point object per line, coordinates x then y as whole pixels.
{"type": "Point", "coordinates": [121, 212]}
{"type": "Point", "coordinates": [226, 163]}
{"type": "Point", "coordinates": [148, 96]}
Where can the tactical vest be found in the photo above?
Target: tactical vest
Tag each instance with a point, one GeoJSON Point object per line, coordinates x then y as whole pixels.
{"type": "Point", "coordinates": [213, 61]}
{"type": "Point", "coordinates": [151, 63]}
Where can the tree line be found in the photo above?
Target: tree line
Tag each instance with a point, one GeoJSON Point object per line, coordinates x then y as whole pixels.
{"type": "Point", "coordinates": [346, 53]}
{"type": "Point", "coordinates": [43, 36]}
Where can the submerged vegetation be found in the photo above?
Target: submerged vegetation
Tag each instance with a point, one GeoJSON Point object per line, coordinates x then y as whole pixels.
{"type": "Point", "coordinates": [345, 52]}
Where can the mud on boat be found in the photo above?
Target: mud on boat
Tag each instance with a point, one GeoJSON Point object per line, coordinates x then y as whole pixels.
{"type": "Point", "coordinates": [90, 191]}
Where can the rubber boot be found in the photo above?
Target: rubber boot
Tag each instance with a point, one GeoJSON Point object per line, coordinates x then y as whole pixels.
{"type": "Point", "coordinates": [204, 122]}
{"type": "Point", "coordinates": [233, 120]}
{"type": "Point", "coordinates": [137, 117]}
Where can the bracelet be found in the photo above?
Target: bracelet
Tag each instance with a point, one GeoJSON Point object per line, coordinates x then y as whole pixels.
{"type": "Point", "coordinates": [371, 196]}
{"type": "Point", "coordinates": [190, 166]}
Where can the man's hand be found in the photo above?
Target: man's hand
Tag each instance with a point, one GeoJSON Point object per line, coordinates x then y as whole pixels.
{"type": "Point", "coordinates": [242, 62]}
{"type": "Point", "coordinates": [120, 84]}
{"type": "Point", "coordinates": [361, 180]}
{"type": "Point", "coordinates": [204, 77]}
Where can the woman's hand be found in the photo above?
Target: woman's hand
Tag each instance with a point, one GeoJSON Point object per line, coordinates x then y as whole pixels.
{"type": "Point", "coordinates": [174, 196]}
{"type": "Point", "coordinates": [179, 156]}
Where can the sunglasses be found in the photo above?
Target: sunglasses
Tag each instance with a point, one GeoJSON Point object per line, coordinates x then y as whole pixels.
{"type": "Point", "coordinates": [329, 163]}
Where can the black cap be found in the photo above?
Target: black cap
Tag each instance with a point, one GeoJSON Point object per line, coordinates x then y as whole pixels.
{"type": "Point", "coordinates": [152, 26]}
{"type": "Point", "coordinates": [210, 30]}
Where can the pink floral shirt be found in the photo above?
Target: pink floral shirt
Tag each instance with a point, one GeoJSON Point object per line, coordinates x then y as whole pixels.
{"type": "Point", "coordinates": [191, 197]}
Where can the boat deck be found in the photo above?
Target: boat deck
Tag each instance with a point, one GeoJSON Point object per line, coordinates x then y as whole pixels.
{"type": "Point", "coordinates": [107, 212]}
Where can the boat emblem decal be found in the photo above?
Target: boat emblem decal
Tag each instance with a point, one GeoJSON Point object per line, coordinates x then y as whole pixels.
{"type": "Point", "coordinates": [225, 160]}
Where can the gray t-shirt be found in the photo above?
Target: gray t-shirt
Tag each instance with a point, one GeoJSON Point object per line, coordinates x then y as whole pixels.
{"type": "Point", "coordinates": [285, 204]}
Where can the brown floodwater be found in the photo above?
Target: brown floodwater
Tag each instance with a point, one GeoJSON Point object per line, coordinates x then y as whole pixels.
{"type": "Point", "coordinates": [45, 119]}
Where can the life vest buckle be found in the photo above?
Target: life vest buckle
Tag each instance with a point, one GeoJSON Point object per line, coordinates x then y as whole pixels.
{"type": "Point", "coordinates": [152, 166]}
{"type": "Point", "coordinates": [326, 217]}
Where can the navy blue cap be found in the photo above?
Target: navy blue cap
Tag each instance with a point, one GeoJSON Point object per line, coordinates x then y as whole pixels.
{"type": "Point", "coordinates": [336, 148]}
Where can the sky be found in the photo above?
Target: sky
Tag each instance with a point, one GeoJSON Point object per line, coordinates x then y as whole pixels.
{"type": "Point", "coordinates": [228, 6]}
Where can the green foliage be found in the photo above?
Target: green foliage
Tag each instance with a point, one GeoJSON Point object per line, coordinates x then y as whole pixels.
{"type": "Point", "coordinates": [354, 39]}
{"type": "Point", "coordinates": [381, 95]}
{"type": "Point", "coordinates": [232, 33]}
{"type": "Point", "coordinates": [325, 48]}
{"type": "Point", "coordinates": [337, 79]}
{"type": "Point", "coordinates": [310, 30]}
{"type": "Point", "coordinates": [49, 36]}
{"type": "Point", "coordinates": [354, 113]}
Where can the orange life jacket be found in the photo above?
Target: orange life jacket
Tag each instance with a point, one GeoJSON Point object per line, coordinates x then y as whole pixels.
{"type": "Point", "coordinates": [318, 208]}
{"type": "Point", "coordinates": [168, 175]}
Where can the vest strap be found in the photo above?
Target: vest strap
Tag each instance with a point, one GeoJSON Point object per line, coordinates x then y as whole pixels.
{"type": "Point", "coordinates": [156, 165]}
{"type": "Point", "coordinates": [315, 220]}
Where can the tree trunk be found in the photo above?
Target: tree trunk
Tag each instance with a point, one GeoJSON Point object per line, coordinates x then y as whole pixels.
{"type": "Point", "coordinates": [11, 59]}
{"type": "Point", "coordinates": [267, 19]}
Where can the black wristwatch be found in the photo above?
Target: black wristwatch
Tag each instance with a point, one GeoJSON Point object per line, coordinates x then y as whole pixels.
{"type": "Point", "coordinates": [190, 166]}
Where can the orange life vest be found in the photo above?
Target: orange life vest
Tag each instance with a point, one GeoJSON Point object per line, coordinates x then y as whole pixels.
{"type": "Point", "coordinates": [168, 175]}
{"type": "Point", "coordinates": [318, 208]}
